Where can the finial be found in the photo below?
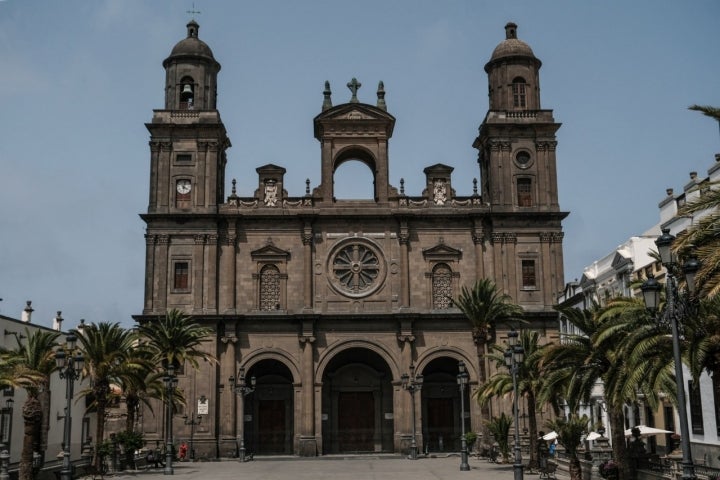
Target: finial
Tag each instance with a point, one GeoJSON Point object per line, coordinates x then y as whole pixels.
{"type": "Point", "coordinates": [510, 30]}
{"type": "Point", "coordinates": [474, 186]}
{"type": "Point", "coordinates": [354, 86]}
{"type": "Point", "coordinates": [327, 101]}
{"type": "Point", "coordinates": [234, 189]}
{"type": "Point", "coordinates": [402, 186]}
{"type": "Point", "coordinates": [307, 186]}
{"type": "Point", "coordinates": [381, 96]}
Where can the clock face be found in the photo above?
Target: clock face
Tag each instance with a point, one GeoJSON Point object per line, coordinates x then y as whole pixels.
{"type": "Point", "coordinates": [184, 186]}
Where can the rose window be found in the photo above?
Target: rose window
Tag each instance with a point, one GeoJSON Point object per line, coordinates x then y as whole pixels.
{"type": "Point", "coordinates": [356, 269]}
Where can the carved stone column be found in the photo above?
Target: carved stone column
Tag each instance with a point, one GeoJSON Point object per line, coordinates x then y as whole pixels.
{"type": "Point", "coordinates": [406, 339]}
{"type": "Point", "coordinates": [230, 415]}
{"type": "Point", "coordinates": [198, 281]}
{"type": "Point", "coordinates": [478, 238]}
{"type": "Point", "coordinates": [308, 441]}
{"type": "Point", "coordinates": [226, 288]}
{"type": "Point", "coordinates": [307, 238]}
{"type": "Point", "coordinates": [162, 273]}
{"type": "Point", "coordinates": [210, 294]}
{"type": "Point", "coordinates": [150, 241]}
{"type": "Point", "coordinates": [404, 238]}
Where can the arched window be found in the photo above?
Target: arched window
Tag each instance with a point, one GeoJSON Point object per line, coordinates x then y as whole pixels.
{"type": "Point", "coordinates": [524, 192]}
{"type": "Point", "coordinates": [441, 286]}
{"type": "Point", "coordinates": [269, 288]}
{"type": "Point", "coordinates": [518, 90]}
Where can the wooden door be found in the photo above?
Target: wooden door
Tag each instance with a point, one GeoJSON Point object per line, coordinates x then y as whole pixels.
{"type": "Point", "coordinates": [356, 422]}
{"type": "Point", "coordinates": [271, 427]}
{"type": "Point", "coordinates": [440, 425]}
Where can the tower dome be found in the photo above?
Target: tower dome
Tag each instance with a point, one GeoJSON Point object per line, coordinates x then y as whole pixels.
{"type": "Point", "coordinates": [191, 45]}
{"type": "Point", "coordinates": [511, 47]}
{"type": "Point", "coordinates": [191, 74]}
{"type": "Point", "coordinates": [514, 82]}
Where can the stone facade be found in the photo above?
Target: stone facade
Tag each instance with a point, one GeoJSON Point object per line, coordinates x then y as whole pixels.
{"type": "Point", "coordinates": [326, 303]}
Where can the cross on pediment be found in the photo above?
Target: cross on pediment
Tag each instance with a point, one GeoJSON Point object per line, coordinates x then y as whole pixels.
{"type": "Point", "coordinates": [354, 86]}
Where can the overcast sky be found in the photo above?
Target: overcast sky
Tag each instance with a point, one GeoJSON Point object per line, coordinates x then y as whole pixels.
{"type": "Point", "coordinates": [79, 78]}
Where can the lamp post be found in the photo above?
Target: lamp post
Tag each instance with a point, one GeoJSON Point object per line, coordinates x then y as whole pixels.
{"type": "Point", "coordinates": [241, 388]}
{"type": "Point", "coordinates": [193, 420]}
{"type": "Point", "coordinates": [70, 369]}
{"type": "Point", "coordinates": [412, 383]}
{"type": "Point", "coordinates": [514, 356]}
{"type": "Point", "coordinates": [4, 462]}
{"type": "Point", "coordinates": [675, 310]}
{"type": "Point", "coordinates": [462, 380]}
{"type": "Point", "coordinates": [170, 381]}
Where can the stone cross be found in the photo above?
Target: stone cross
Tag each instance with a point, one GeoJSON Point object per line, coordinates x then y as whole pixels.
{"type": "Point", "coordinates": [354, 86]}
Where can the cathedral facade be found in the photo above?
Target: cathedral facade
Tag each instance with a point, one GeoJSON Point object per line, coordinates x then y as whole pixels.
{"type": "Point", "coordinates": [320, 306]}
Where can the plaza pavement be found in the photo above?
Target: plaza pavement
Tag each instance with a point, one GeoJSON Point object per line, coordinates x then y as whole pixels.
{"type": "Point", "coordinates": [336, 467]}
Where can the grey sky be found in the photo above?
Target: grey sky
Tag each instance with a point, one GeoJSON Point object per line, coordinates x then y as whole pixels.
{"type": "Point", "coordinates": [80, 78]}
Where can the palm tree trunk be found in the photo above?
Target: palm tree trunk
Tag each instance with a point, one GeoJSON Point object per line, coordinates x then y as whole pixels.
{"type": "Point", "coordinates": [617, 424]}
{"type": "Point", "coordinates": [101, 407]}
{"type": "Point", "coordinates": [575, 468]}
{"type": "Point", "coordinates": [32, 416]}
{"type": "Point", "coordinates": [532, 421]}
{"type": "Point", "coordinates": [482, 378]}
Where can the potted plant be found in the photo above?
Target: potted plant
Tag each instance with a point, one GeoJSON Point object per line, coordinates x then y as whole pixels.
{"type": "Point", "coordinates": [609, 470]}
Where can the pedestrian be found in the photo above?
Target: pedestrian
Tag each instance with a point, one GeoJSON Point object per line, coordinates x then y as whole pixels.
{"type": "Point", "coordinates": [182, 453]}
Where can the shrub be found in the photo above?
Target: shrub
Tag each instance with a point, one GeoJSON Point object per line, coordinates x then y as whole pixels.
{"type": "Point", "coordinates": [609, 469]}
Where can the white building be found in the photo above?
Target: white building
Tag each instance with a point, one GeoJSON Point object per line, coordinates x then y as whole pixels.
{"type": "Point", "coordinates": [12, 401]}
{"type": "Point", "coordinates": [619, 274]}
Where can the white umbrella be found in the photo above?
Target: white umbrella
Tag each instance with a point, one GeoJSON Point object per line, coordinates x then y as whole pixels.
{"type": "Point", "coordinates": [645, 430]}
{"type": "Point", "coordinates": [550, 436]}
{"type": "Point", "coordinates": [593, 436]}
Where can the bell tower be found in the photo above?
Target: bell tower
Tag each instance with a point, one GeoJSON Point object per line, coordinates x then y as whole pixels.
{"type": "Point", "coordinates": [188, 139]}
{"type": "Point", "coordinates": [516, 141]}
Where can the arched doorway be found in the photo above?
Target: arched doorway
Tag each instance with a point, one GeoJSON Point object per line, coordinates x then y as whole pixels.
{"type": "Point", "coordinates": [357, 404]}
{"type": "Point", "coordinates": [441, 406]}
{"type": "Point", "coordinates": [268, 416]}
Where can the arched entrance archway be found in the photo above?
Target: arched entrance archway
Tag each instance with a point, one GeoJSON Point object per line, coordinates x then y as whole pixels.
{"type": "Point", "coordinates": [268, 414]}
{"type": "Point", "coordinates": [441, 406]}
{"type": "Point", "coordinates": [357, 403]}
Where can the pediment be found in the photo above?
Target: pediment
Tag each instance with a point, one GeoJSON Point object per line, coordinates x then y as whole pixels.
{"type": "Point", "coordinates": [269, 252]}
{"type": "Point", "coordinates": [620, 260]}
{"type": "Point", "coordinates": [353, 113]}
{"type": "Point", "coordinates": [441, 252]}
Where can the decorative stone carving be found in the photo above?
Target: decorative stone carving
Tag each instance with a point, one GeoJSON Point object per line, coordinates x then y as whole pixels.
{"type": "Point", "coordinates": [439, 192]}
{"type": "Point", "coordinates": [271, 194]}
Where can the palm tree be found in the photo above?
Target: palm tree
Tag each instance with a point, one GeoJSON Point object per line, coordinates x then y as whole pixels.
{"type": "Point", "coordinates": [573, 367]}
{"type": "Point", "coordinates": [105, 347]}
{"type": "Point", "coordinates": [29, 367]}
{"type": "Point", "coordinates": [702, 236]}
{"type": "Point", "coordinates": [570, 433]}
{"type": "Point", "coordinates": [500, 429]}
{"type": "Point", "coordinates": [175, 339]}
{"type": "Point", "coordinates": [484, 306]}
{"type": "Point", "coordinates": [529, 378]}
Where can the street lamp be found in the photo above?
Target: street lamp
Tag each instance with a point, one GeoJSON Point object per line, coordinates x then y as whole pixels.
{"type": "Point", "coordinates": [170, 381]}
{"type": "Point", "coordinates": [70, 369]}
{"type": "Point", "coordinates": [4, 462]}
{"type": "Point", "coordinates": [193, 421]}
{"type": "Point", "coordinates": [675, 311]}
{"type": "Point", "coordinates": [462, 380]}
{"type": "Point", "coordinates": [412, 383]}
{"type": "Point", "coordinates": [241, 388]}
{"type": "Point", "coordinates": [514, 356]}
